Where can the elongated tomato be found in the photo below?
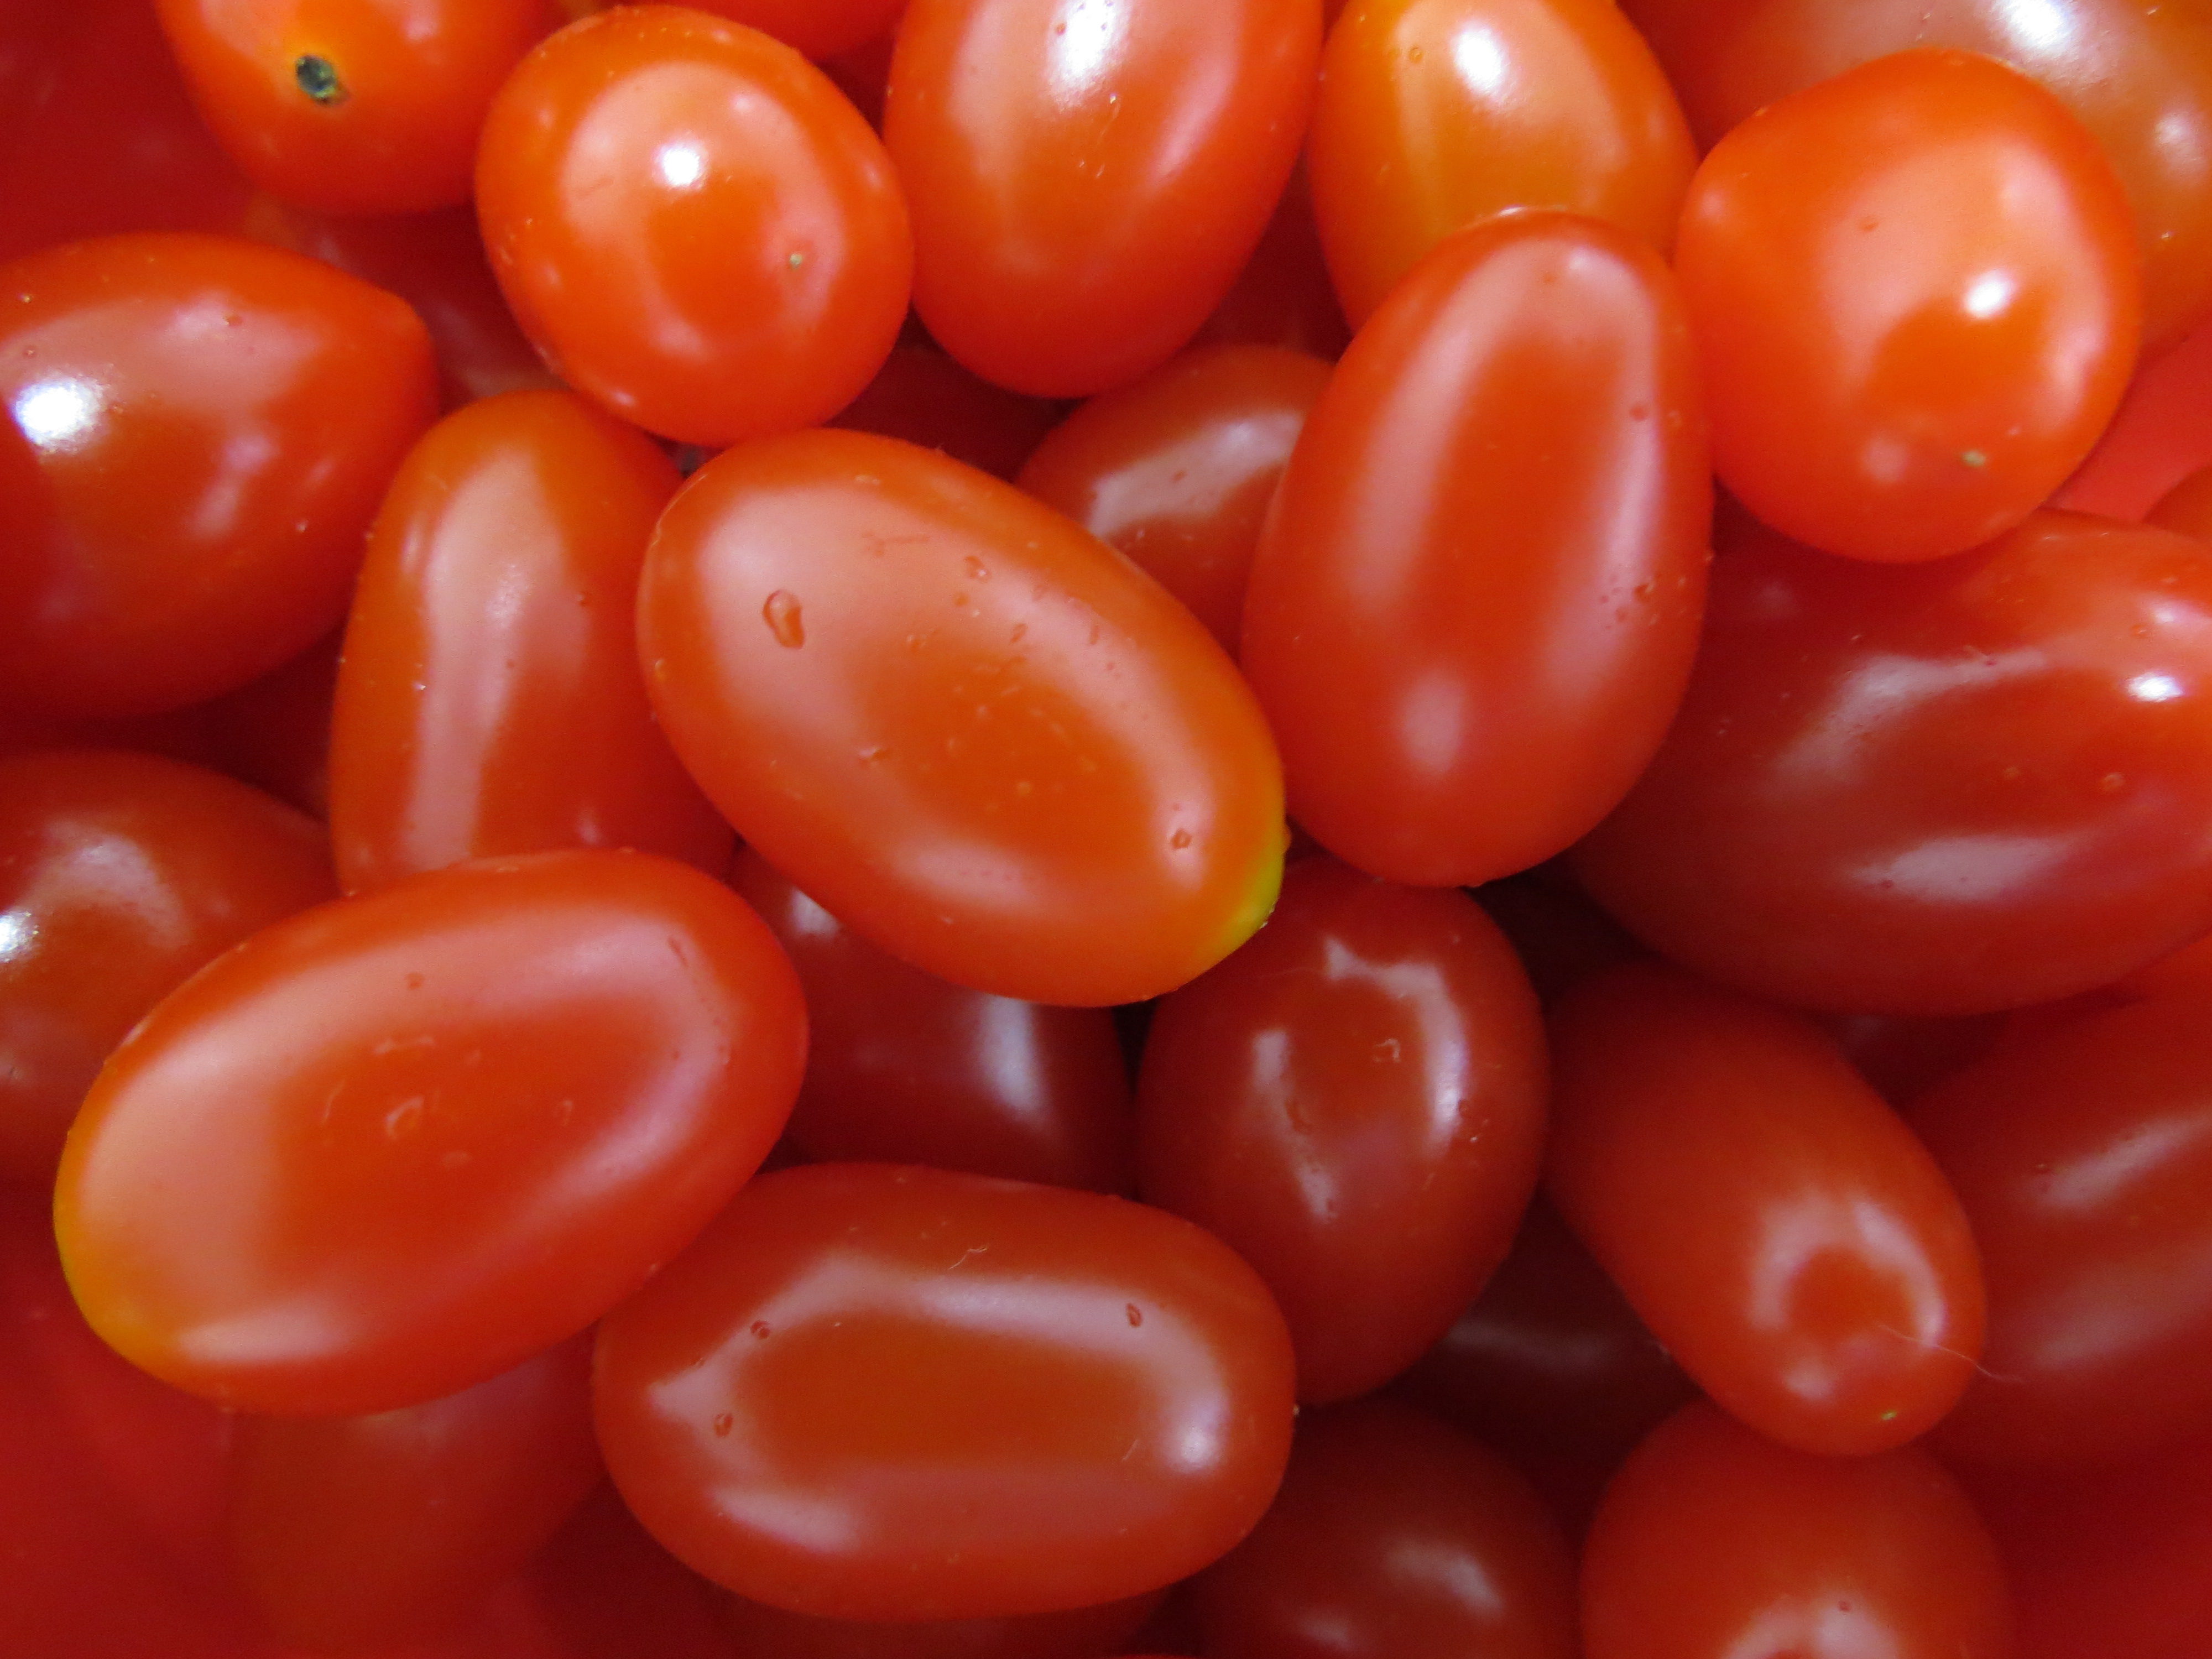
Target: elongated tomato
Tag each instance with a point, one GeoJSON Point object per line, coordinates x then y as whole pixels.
{"type": "Point", "coordinates": [974, 733]}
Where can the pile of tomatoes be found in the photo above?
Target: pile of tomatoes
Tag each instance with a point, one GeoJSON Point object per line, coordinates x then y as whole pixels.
{"type": "Point", "coordinates": [1032, 828]}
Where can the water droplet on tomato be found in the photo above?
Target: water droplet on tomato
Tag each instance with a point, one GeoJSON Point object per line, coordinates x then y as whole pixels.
{"type": "Point", "coordinates": [724, 1422]}
{"type": "Point", "coordinates": [1180, 840]}
{"type": "Point", "coordinates": [1136, 1314]}
{"type": "Point", "coordinates": [760, 1329]}
{"type": "Point", "coordinates": [781, 613]}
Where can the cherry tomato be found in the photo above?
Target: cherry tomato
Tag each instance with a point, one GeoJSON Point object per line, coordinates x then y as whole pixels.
{"type": "Point", "coordinates": [1087, 179]}
{"type": "Point", "coordinates": [490, 700]}
{"type": "Point", "coordinates": [1283, 297]}
{"type": "Point", "coordinates": [1711, 1540]}
{"type": "Point", "coordinates": [1434, 114]}
{"type": "Point", "coordinates": [2162, 433]}
{"type": "Point", "coordinates": [1768, 1215]}
{"type": "Point", "coordinates": [1177, 470]}
{"type": "Point", "coordinates": [693, 224]}
{"type": "Point", "coordinates": [352, 105]}
{"type": "Point", "coordinates": [820, 29]}
{"type": "Point", "coordinates": [973, 733]}
{"type": "Point", "coordinates": [428, 1133]}
{"type": "Point", "coordinates": [924, 396]}
{"type": "Point", "coordinates": [1476, 599]}
{"type": "Point", "coordinates": [1975, 784]}
{"type": "Point", "coordinates": [1915, 296]}
{"type": "Point", "coordinates": [1355, 1101]}
{"type": "Point", "coordinates": [878, 1392]}
{"type": "Point", "coordinates": [211, 423]}
{"type": "Point", "coordinates": [1394, 1537]}
{"type": "Point", "coordinates": [275, 732]}
{"type": "Point", "coordinates": [1078, 1633]}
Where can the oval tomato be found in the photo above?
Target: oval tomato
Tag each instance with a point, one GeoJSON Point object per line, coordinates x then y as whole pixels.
{"type": "Point", "coordinates": [974, 735]}
{"type": "Point", "coordinates": [428, 1133]}
{"type": "Point", "coordinates": [878, 1392]}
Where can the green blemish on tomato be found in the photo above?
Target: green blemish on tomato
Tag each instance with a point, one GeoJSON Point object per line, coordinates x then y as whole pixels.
{"type": "Point", "coordinates": [1259, 898]}
{"type": "Point", "coordinates": [318, 79]}
{"type": "Point", "coordinates": [1974, 458]}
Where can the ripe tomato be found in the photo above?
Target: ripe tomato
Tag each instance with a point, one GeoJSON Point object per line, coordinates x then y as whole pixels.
{"type": "Point", "coordinates": [693, 224]}
{"type": "Point", "coordinates": [1821, 1284]}
{"type": "Point", "coordinates": [210, 423]}
{"type": "Point", "coordinates": [1088, 180]}
{"type": "Point", "coordinates": [871, 1391]}
{"type": "Point", "coordinates": [1915, 296]}
{"type": "Point", "coordinates": [820, 29]}
{"type": "Point", "coordinates": [1476, 599]}
{"type": "Point", "coordinates": [1077, 1633]}
{"type": "Point", "coordinates": [1433, 114]}
{"type": "Point", "coordinates": [490, 700]}
{"type": "Point", "coordinates": [975, 735]}
{"type": "Point", "coordinates": [924, 396]}
{"type": "Point", "coordinates": [428, 1132]}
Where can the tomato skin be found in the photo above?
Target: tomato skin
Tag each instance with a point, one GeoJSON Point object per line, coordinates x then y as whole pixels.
{"type": "Point", "coordinates": [490, 701]}
{"type": "Point", "coordinates": [120, 875]}
{"type": "Point", "coordinates": [2161, 433]}
{"type": "Point", "coordinates": [1078, 1633]}
{"type": "Point", "coordinates": [871, 1391]}
{"type": "Point", "coordinates": [1822, 1285]}
{"type": "Point", "coordinates": [924, 396]}
{"type": "Point", "coordinates": [820, 29]}
{"type": "Point", "coordinates": [2081, 1155]}
{"type": "Point", "coordinates": [903, 1068]}
{"type": "Point", "coordinates": [975, 735]}
{"type": "Point", "coordinates": [353, 1531]}
{"type": "Point", "coordinates": [1284, 296]}
{"type": "Point", "coordinates": [1355, 1102]}
{"type": "Point", "coordinates": [395, 129]}
{"type": "Point", "coordinates": [1914, 297]}
{"type": "Point", "coordinates": [2138, 74]}
{"type": "Point", "coordinates": [1476, 599]}
{"type": "Point", "coordinates": [211, 423]}
{"type": "Point", "coordinates": [1550, 104]}
{"type": "Point", "coordinates": [1086, 183]}
{"type": "Point", "coordinates": [692, 223]}
{"type": "Point", "coordinates": [1945, 790]}
{"type": "Point", "coordinates": [412, 1166]}
{"type": "Point", "coordinates": [1177, 469]}
{"type": "Point", "coordinates": [1394, 1537]}
{"type": "Point", "coordinates": [1711, 1540]}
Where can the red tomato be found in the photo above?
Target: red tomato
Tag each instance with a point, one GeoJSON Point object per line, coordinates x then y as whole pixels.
{"type": "Point", "coordinates": [1434, 114]}
{"type": "Point", "coordinates": [1915, 296]}
{"type": "Point", "coordinates": [1711, 1540]}
{"type": "Point", "coordinates": [2138, 76]}
{"type": "Point", "coordinates": [693, 224]}
{"type": "Point", "coordinates": [1284, 297]}
{"type": "Point", "coordinates": [1087, 179]}
{"type": "Point", "coordinates": [1770, 1218]}
{"type": "Point", "coordinates": [1177, 470]}
{"type": "Point", "coordinates": [1078, 1633]}
{"type": "Point", "coordinates": [975, 735]}
{"type": "Point", "coordinates": [1476, 600]}
{"type": "Point", "coordinates": [275, 732]}
{"type": "Point", "coordinates": [903, 1068]}
{"type": "Point", "coordinates": [490, 701]}
{"type": "Point", "coordinates": [1355, 1102]}
{"type": "Point", "coordinates": [1978, 784]}
{"type": "Point", "coordinates": [351, 1531]}
{"type": "Point", "coordinates": [924, 396]}
{"type": "Point", "coordinates": [2162, 433]}
{"type": "Point", "coordinates": [1394, 1538]}
{"type": "Point", "coordinates": [820, 29]}
{"type": "Point", "coordinates": [615, 1594]}
{"type": "Point", "coordinates": [120, 875]}
{"type": "Point", "coordinates": [352, 105]}
{"type": "Point", "coordinates": [877, 1391]}
{"type": "Point", "coordinates": [2083, 1155]}
{"type": "Point", "coordinates": [428, 1132]}
{"type": "Point", "coordinates": [2186, 507]}
{"type": "Point", "coordinates": [211, 423]}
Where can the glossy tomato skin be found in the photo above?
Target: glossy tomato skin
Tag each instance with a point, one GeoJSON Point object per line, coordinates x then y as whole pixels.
{"type": "Point", "coordinates": [903, 1068]}
{"type": "Point", "coordinates": [367, 107]}
{"type": "Point", "coordinates": [489, 699]}
{"type": "Point", "coordinates": [1768, 1215]}
{"type": "Point", "coordinates": [1433, 114]}
{"type": "Point", "coordinates": [428, 1132]}
{"type": "Point", "coordinates": [120, 874]}
{"type": "Point", "coordinates": [1077, 1633]}
{"type": "Point", "coordinates": [1355, 1101]}
{"type": "Point", "coordinates": [1476, 600]}
{"type": "Point", "coordinates": [1712, 1541]}
{"type": "Point", "coordinates": [1915, 296]}
{"type": "Point", "coordinates": [820, 29]}
{"type": "Point", "coordinates": [1978, 784]}
{"type": "Point", "coordinates": [349, 1532]}
{"type": "Point", "coordinates": [924, 396]}
{"type": "Point", "coordinates": [211, 424]}
{"type": "Point", "coordinates": [1394, 1537]}
{"type": "Point", "coordinates": [973, 733]}
{"type": "Point", "coordinates": [1087, 182]}
{"type": "Point", "coordinates": [693, 224]}
{"type": "Point", "coordinates": [872, 1391]}
{"type": "Point", "coordinates": [1284, 297]}
{"type": "Point", "coordinates": [1177, 469]}
{"type": "Point", "coordinates": [2161, 433]}
{"type": "Point", "coordinates": [2081, 1155]}
{"type": "Point", "coordinates": [2138, 74]}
